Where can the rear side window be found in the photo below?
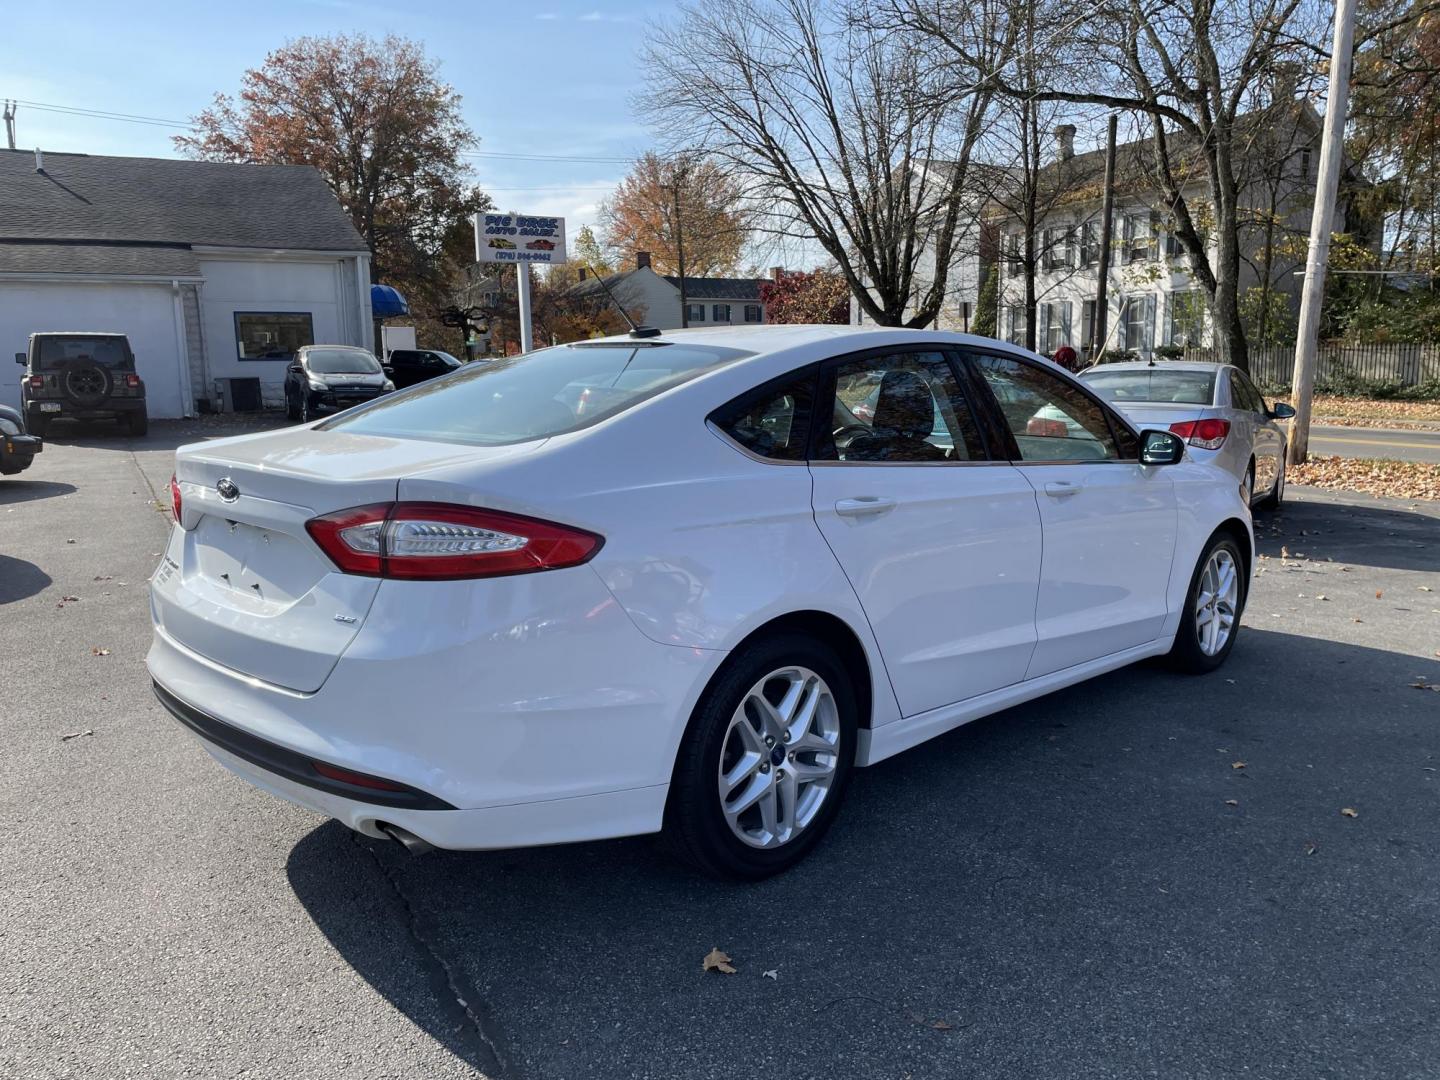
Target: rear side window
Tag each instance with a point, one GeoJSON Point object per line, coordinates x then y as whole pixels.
{"type": "Point", "coordinates": [774, 421]}
{"type": "Point", "coordinates": [900, 408]}
{"type": "Point", "coordinates": [535, 396]}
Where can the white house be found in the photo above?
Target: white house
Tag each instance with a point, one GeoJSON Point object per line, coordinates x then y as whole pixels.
{"type": "Point", "coordinates": [216, 272]}
{"type": "Point", "coordinates": [709, 301]}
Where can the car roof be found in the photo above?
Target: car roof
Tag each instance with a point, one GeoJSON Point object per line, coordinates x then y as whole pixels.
{"type": "Point", "coordinates": [351, 348]}
{"type": "Point", "coordinates": [767, 338]}
{"type": "Point", "coordinates": [1159, 365]}
{"type": "Point", "coordinates": [78, 333]}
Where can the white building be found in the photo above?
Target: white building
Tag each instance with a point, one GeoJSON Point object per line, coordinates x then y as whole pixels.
{"type": "Point", "coordinates": [656, 297]}
{"type": "Point", "coordinates": [215, 272]}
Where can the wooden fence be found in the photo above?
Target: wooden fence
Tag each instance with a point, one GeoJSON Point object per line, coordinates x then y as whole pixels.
{"type": "Point", "coordinates": [1273, 365]}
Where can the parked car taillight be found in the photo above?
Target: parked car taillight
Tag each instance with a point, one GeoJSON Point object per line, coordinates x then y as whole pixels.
{"type": "Point", "coordinates": [175, 506]}
{"type": "Point", "coordinates": [37, 382]}
{"type": "Point", "coordinates": [439, 541]}
{"type": "Point", "coordinates": [132, 381]}
{"type": "Point", "coordinates": [1208, 434]}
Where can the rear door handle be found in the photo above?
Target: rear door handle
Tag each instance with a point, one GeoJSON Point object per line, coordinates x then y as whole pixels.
{"type": "Point", "coordinates": [863, 505]}
{"type": "Point", "coordinates": [1061, 489]}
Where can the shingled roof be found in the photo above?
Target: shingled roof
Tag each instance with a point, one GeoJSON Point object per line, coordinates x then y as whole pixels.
{"type": "Point", "coordinates": [130, 215]}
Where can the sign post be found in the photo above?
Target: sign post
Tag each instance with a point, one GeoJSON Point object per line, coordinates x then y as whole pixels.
{"type": "Point", "coordinates": [520, 239]}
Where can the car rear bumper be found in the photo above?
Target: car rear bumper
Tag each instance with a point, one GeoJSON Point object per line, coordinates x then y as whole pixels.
{"type": "Point", "coordinates": [18, 451]}
{"type": "Point", "coordinates": [111, 410]}
{"type": "Point", "coordinates": [532, 706]}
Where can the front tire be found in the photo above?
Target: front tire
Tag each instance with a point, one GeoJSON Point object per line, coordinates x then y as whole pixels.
{"type": "Point", "coordinates": [1214, 603]}
{"type": "Point", "coordinates": [765, 760]}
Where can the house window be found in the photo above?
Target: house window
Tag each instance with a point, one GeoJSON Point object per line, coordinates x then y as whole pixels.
{"type": "Point", "coordinates": [1090, 243]}
{"type": "Point", "coordinates": [1014, 264]}
{"type": "Point", "coordinates": [1137, 323]}
{"type": "Point", "coordinates": [694, 313]}
{"type": "Point", "coordinates": [1139, 236]}
{"type": "Point", "coordinates": [1058, 241]}
{"type": "Point", "coordinates": [1015, 324]}
{"type": "Point", "coordinates": [272, 335]}
{"type": "Point", "coordinates": [1305, 164]}
{"type": "Point", "coordinates": [1053, 327]}
{"type": "Point", "coordinates": [967, 311]}
{"type": "Point", "coordinates": [720, 312]}
{"type": "Point", "coordinates": [1185, 315]}
{"type": "Point", "coordinates": [753, 313]}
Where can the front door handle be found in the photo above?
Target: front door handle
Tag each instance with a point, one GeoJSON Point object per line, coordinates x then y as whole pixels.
{"type": "Point", "coordinates": [864, 505]}
{"type": "Point", "coordinates": [1061, 489]}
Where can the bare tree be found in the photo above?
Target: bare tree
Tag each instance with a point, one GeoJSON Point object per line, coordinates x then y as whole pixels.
{"type": "Point", "coordinates": [848, 132]}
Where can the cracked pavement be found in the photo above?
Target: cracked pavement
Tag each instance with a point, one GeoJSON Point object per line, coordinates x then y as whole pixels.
{"type": "Point", "coordinates": [1062, 890]}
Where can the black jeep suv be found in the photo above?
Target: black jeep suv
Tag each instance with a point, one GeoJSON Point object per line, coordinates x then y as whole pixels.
{"type": "Point", "coordinates": [81, 376]}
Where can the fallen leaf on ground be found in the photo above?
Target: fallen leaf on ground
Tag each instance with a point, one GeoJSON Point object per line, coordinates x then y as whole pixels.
{"type": "Point", "coordinates": [1423, 685]}
{"type": "Point", "coordinates": [773, 973]}
{"type": "Point", "coordinates": [1232, 802]}
{"type": "Point", "coordinates": [1322, 596]}
{"type": "Point", "coordinates": [1350, 811]}
{"type": "Point", "coordinates": [1311, 847]}
{"type": "Point", "coordinates": [1379, 593]}
{"type": "Point", "coordinates": [1396, 479]}
{"type": "Point", "coordinates": [715, 960]}
{"type": "Point", "coordinates": [940, 1025]}
{"type": "Point", "coordinates": [100, 652]}
{"type": "Point", "coordinates": [75, 735]}
{"type": "Point", "coordinates": [1237, 765]}
{"type": "Point", "coordinates": [70, 541]}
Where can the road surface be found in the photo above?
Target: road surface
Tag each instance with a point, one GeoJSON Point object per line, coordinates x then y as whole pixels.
{"type": "Point", "coordinates": [1351, 442]}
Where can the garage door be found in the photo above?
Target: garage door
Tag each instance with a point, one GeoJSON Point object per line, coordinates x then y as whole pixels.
{"type": "Point", "coordinates": [144, 313]}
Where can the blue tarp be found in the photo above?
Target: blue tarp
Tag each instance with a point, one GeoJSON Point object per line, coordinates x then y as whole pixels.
{"type": "Point", "coordinates": [386, 301]}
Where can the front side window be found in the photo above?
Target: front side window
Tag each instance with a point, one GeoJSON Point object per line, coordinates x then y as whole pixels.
{"type": "Point", "coordinates": [272, 335]}
{"type": "Point", "coordinates": [904, 407]}
{"type": "Point", "coordinates": [1051, 419]}
{"type": "Point", "coordinates": [773, 422]}
{"type": "Point", "coordinates": [1245, 396]}
{"type": "Point", "coordinates": [536, 395]}
{"type": "Point", "coordinates": [720, 312]}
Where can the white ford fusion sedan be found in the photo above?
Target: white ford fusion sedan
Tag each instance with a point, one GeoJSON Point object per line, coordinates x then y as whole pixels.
{"type": "Point", "coordinates": [674, 582]}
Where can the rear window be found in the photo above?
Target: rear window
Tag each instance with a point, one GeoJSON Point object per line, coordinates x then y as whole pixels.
{"type": "Point", "coordinates": [537, 395]}
{"type": "Point", "coordinates": [341, 362]}
{"type": "Point", "coordinates": [53, 353]}
{"type": "Point", "coordinates": [1158, 385]}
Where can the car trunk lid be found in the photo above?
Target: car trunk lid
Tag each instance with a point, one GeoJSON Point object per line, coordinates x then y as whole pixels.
{"type": "Point", "coordinates": [244, 585]}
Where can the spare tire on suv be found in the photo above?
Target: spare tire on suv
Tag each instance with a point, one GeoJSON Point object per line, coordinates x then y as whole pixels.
{"type": "Point", "coordinates": [81, 376]}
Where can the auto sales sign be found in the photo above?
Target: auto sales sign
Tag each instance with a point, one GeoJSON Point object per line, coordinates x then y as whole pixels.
{"type": "Point", "coordinates": [517, 238]}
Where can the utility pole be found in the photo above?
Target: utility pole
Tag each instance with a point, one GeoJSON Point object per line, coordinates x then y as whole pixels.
{"type": "Point", "coordinates": [10, 123]}
{"type": "Point", "coordinates": [678, 177]}
{"type": "Point", "coordinates": [1307, 339]}
{"type": "Point", "coordinates": [1098, 329]}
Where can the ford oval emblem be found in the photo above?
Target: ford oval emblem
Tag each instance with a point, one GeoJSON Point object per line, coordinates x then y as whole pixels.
{"type": "Point", "coordinates": [228, 489]}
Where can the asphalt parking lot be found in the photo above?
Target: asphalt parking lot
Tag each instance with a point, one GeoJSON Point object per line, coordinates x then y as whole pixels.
{"type": "Point", "coordinates": [1091, 885]}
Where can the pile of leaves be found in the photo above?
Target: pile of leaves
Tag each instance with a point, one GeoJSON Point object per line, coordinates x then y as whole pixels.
{"type": "Point", "coordinates": [1372, 412]}
{"type": "Point", "coordinates": [1392, 479]}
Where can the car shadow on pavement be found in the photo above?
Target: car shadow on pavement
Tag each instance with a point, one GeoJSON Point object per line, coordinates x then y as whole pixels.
{"type": "Point", "coordinates": [1147, 874]}
{"type": "Point", "coordinates": [166, 434]}
{"type": "Point", "coordinates": [19, 579]}
{"type": "Point", "coordinates": [14, 491]}
{"type": "Point", "coordinates": [1343, 532]}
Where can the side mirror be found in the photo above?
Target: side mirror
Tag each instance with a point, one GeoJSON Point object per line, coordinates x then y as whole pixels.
{"type": "Point", "coordinates": [388, 369]}
{"type": "Point", "coordinates": [1281, 411]}
{"type": "Point", "coordinates": [294, 369]}
{"type": "Point", "coordinates": [1161, 448]}
{"type": "Point", "coordinates": [20, 358]}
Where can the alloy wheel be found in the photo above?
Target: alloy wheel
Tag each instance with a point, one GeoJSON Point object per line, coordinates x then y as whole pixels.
{"type": "Point", "coordinates": [779, 757]}
{"type": "Point", "coordinates": [1216, 602]}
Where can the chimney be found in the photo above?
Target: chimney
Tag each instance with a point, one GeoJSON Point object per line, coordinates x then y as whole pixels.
{"type": "Point", "coordinates": [642, 260]}
{"type": "Point", "coordinates": [776, 273]}
{"type": "Point", "coordinates": [1065, 141]}
{"type": "Point", "coordinates": [39, 160]}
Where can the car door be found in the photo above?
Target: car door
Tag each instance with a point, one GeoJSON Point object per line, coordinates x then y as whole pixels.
{"type": "Point", "coordinates": [403, 367]}
{"type": "Point", "coordinates": [940, 541]}
{"type": "Point", "coordinates": [1248, 410]}
{"type": "Point", "coordinates": [1109, 522]}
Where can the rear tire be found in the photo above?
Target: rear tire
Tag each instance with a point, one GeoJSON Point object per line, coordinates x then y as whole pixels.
{"type": "Point", "coordinates": [1277, 493]}
{"type": "Point", "coordinates": [292, 408]}
{"type": "Point", "coordinates": [1210, 620]}
{"type": "Point", "coordinates": [756, 788]}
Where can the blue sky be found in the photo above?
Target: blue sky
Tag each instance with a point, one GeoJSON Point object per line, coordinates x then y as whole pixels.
{"type": "Point", "coordinates": [166, 60]}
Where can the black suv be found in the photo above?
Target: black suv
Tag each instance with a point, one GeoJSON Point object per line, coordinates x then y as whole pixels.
{"type": "Point", "coordinates": [410, 366]}
{"type": "Point", "coordinates": [81, 376]}
{"type": "Point", "coordinates": [328, 378]}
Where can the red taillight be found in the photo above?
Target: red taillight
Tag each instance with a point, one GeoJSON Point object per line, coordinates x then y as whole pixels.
{"type": "Point", "coordinates": [358, 779]}
{"type": "Point", "coordinates": [1045, 428]}
{"type": "Point", "coordinates": [37, 382]}
{"type": "Point", "coordinates": [175, 505]}
{"type": "Point", "coordinates": [132, 381]}
{"type": "Point", "coordinates": [441, 541]}
{"type": "Point", "coordinates": [1208, 434]}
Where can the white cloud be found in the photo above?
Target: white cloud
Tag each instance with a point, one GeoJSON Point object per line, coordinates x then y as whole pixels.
{"type": "Point", "coordinates": [547, 16]}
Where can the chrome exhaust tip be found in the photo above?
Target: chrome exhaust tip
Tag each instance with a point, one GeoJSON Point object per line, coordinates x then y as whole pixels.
{"type": "Point", "coordinates": [405, 838]}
